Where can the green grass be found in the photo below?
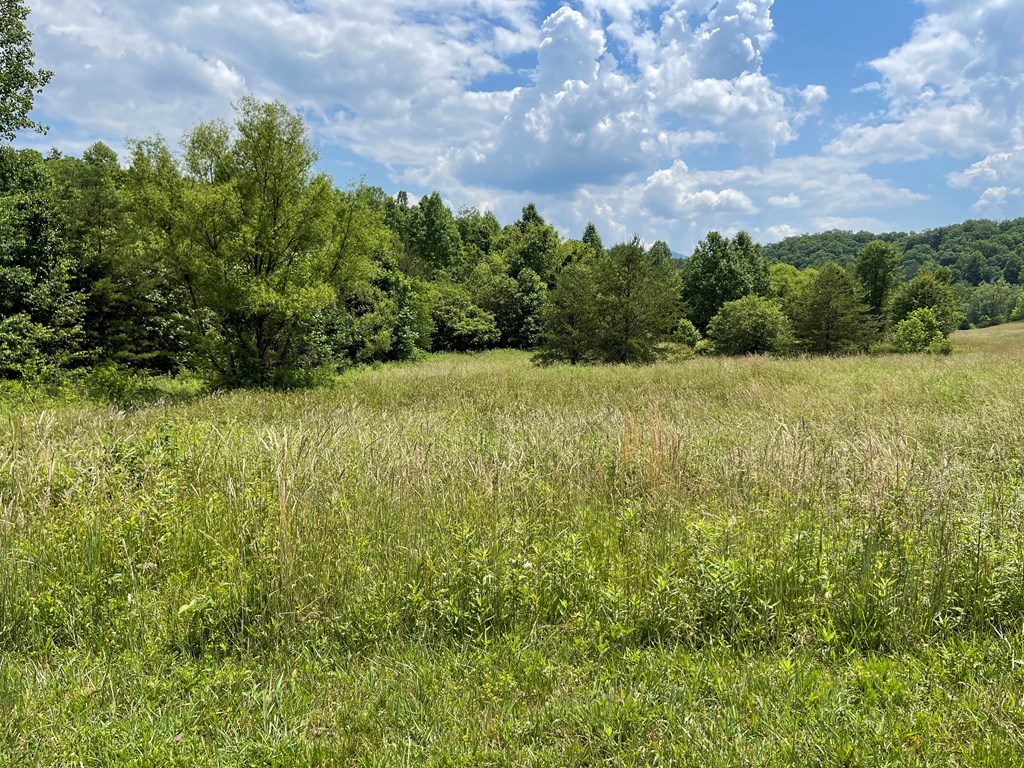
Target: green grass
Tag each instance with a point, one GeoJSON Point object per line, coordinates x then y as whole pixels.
{"type": "Point", "coordinates": [475, 561]}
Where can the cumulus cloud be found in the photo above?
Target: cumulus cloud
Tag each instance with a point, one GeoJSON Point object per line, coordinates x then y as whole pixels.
{"type": "Point", "coordinates": [587, 119]}
{"type": "Point", "coordinates": [956, 87]}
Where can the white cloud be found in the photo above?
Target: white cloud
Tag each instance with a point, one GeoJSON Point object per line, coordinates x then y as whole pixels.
{"type": "Point", "coordinates": [955, 88]}
{"type": "Point", "coordinates": [791, 200]}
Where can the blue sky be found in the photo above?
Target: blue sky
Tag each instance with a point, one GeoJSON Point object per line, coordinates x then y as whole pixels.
{"type": "Point", "coordinates": [666, 118]}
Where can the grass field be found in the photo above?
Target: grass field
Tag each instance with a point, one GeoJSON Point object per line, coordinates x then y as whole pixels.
{"type": "Point", "coordinates": [476, 561]}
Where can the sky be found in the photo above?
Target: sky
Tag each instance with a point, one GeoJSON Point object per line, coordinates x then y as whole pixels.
{"type": "Point", "coordinates": [664, 119]}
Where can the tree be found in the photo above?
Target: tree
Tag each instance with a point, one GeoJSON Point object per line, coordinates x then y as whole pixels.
{"type": "Point", "coordinates": [786, 283]}
{"type": "Point", "coordinates": [459, 324]}
{"type": "Point", "coordinates": [531, 243]}
{"type": "Point", "coordinates": [877, 268]}
{"type": "Point", "coordinates": [750, 326]}
{"type": "Point", "coordinates": [992, 303]}
{"type": "Point", "coordinates": [20, 81]}
{"type": "Point", "coordinates": [435, 234]}
{"type": "Point", "coordinates": [515, 302]}
{"type": "Point", "coordinates": [920, 332]}
{"type": "Point", "coordinates": [40, 312]}
{"type": "Point", "coordinates": [721, 270]}
{"type": "Point", "coordinates": [593, 239]}
{"type": "Point", "coordinates": [569, 317]}
{"type": "Point", "coordinates": [931, 290]}
{"type": "Point", "coordinates": [637, 303]}
{"type": "Point", "coordinates": [258, 243]}
{"type": "Point", "coordinates": [829, 316]}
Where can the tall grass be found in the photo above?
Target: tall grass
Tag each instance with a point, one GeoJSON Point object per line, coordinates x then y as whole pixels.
{"type": "Point", "coordinates": [825, 504]}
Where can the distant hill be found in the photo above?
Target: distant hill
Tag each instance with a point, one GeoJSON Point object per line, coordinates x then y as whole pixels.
{"type": "Point", "coordinates": [976, 251]}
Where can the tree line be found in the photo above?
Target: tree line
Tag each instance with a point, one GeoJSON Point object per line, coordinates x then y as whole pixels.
{"type": "Point", "coordinates": [982, 259]}
{"type": "Point", "coordinates": [232, 256]}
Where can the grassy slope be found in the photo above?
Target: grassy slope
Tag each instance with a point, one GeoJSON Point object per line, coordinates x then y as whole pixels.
{"type": "Point", "coordinates": [476, 561]}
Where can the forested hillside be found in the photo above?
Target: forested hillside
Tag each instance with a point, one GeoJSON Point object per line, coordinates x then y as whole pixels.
{"type": "Point", "coordinates": [976, 251]}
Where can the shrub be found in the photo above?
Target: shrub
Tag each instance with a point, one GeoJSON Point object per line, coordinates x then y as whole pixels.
{"type": "Point", "coordinates": [751, 325]}
{"type": "Point", "coordinates": [687, 334]}
{"type": "Point", "coordinates": [918, 332]}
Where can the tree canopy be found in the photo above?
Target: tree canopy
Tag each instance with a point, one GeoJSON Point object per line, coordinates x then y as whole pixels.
{"type": "Point", "coordinates": [20, 80]}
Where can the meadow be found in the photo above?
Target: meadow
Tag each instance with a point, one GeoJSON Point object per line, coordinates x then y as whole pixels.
{"type": "Point", "coordinates": [473, 560]}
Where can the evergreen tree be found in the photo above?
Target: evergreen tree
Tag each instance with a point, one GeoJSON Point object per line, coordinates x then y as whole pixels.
{"type": "Point", "coordinates": [829, 316]}
{"type": "Point", "coordinates": [570, 316]}
{"type": "Point", "coordinates": [593, 239]}
{"type": "Point", "coordinates": [637, 303]}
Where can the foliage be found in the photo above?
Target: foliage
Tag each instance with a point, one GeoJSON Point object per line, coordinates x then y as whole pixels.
{"type": "Point", "coordinates": [616, 308]}
{"type": "Point", "coordinates": [569, 317]}
{"type": "Point", "coordinates": [829, 317]}
{"type": "Point", "coordinates": [750, 326]}
{"type": "Point", "coordinates": [976, 251]}
{"type": "Point", "coordinates": [992, 303]}
{"type": "Point", "coordinates": [434, 236]}
{"type": "Point", "coordinates": [686, 333]}
{"type": "Point", "coordinates": [877, 268]}
{"type": "Point", "coordinates": [40, 311]}
{"type": "Point", "coordinates": [722, 270]}
{"type": "Point", "coordinates": [927, 290]}
{"type": "Point", "coordinates": [920, 332]}
{"type": "Point", "coordinates": [459, 324]}
{"type": "Point", "coordinates": [20, 80]}
{"type": "Point", "coordinates": [637, 303]}
{"type": "Point", "coordinates": [592, 239]}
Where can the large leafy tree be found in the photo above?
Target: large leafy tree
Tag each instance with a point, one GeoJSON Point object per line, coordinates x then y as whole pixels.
{"type": "Point", "coordinates": [722, 270]}
{"type": "Point", "coordinates": [259, 243]}
{"type": "Point", "coordinates": [20, 80]}
{"type": "Point", "coordinates": [877, 267]}
{"type": "Point", "coordinates": [40, 312]}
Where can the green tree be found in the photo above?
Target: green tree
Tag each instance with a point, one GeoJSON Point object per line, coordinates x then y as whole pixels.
{"type": "Point", "coordinates": [459, 324]}
{"type": "Point", "coordinates": [920, 332]}
{"type": "Point", "coordinates": [515, 302]}
{"type": "Point", "coordinates": [20, 80]}
{"type": "Point", "coordinates": [786, 284]}
{"type": "Point", "coordinates": [637, 303]}
{"type": "Point", "coordinates": [992, 303]}
{"type": "Point", "coordinates": [570, 316]}
{"type": "Point", "coordinates": [721, 270]}
{"type": "Point", "coordinates": [877, 267]}
{"type": "Point", "coordinates": [531, 243]}
{"type": "Point", "coordinates": [435, 237]}
{"type": "Point", "coordinates": [750, 326]}
{"type": "Point", "coordinates": [40, 312]}
{"type": "Point", "coordinates": [592, 239]}
{"type": "Point", "coordinates": [256, 241]}
{"type": "Point", "coordinates": [829, 316]}
{"type": "Point", "coordinates": [931, 290]}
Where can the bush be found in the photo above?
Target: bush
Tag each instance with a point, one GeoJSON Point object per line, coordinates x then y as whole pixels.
{"type": "Point", "coordinates": [921, 332]}
{"type": "Point", "coordinates": [750, 326]}
{"type": "Point", "coordinates": [1018, 312]}
{"type": "Point", "coordinates": [687, 334]}
{"type": "Point", "coordinates": [931, 290]}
